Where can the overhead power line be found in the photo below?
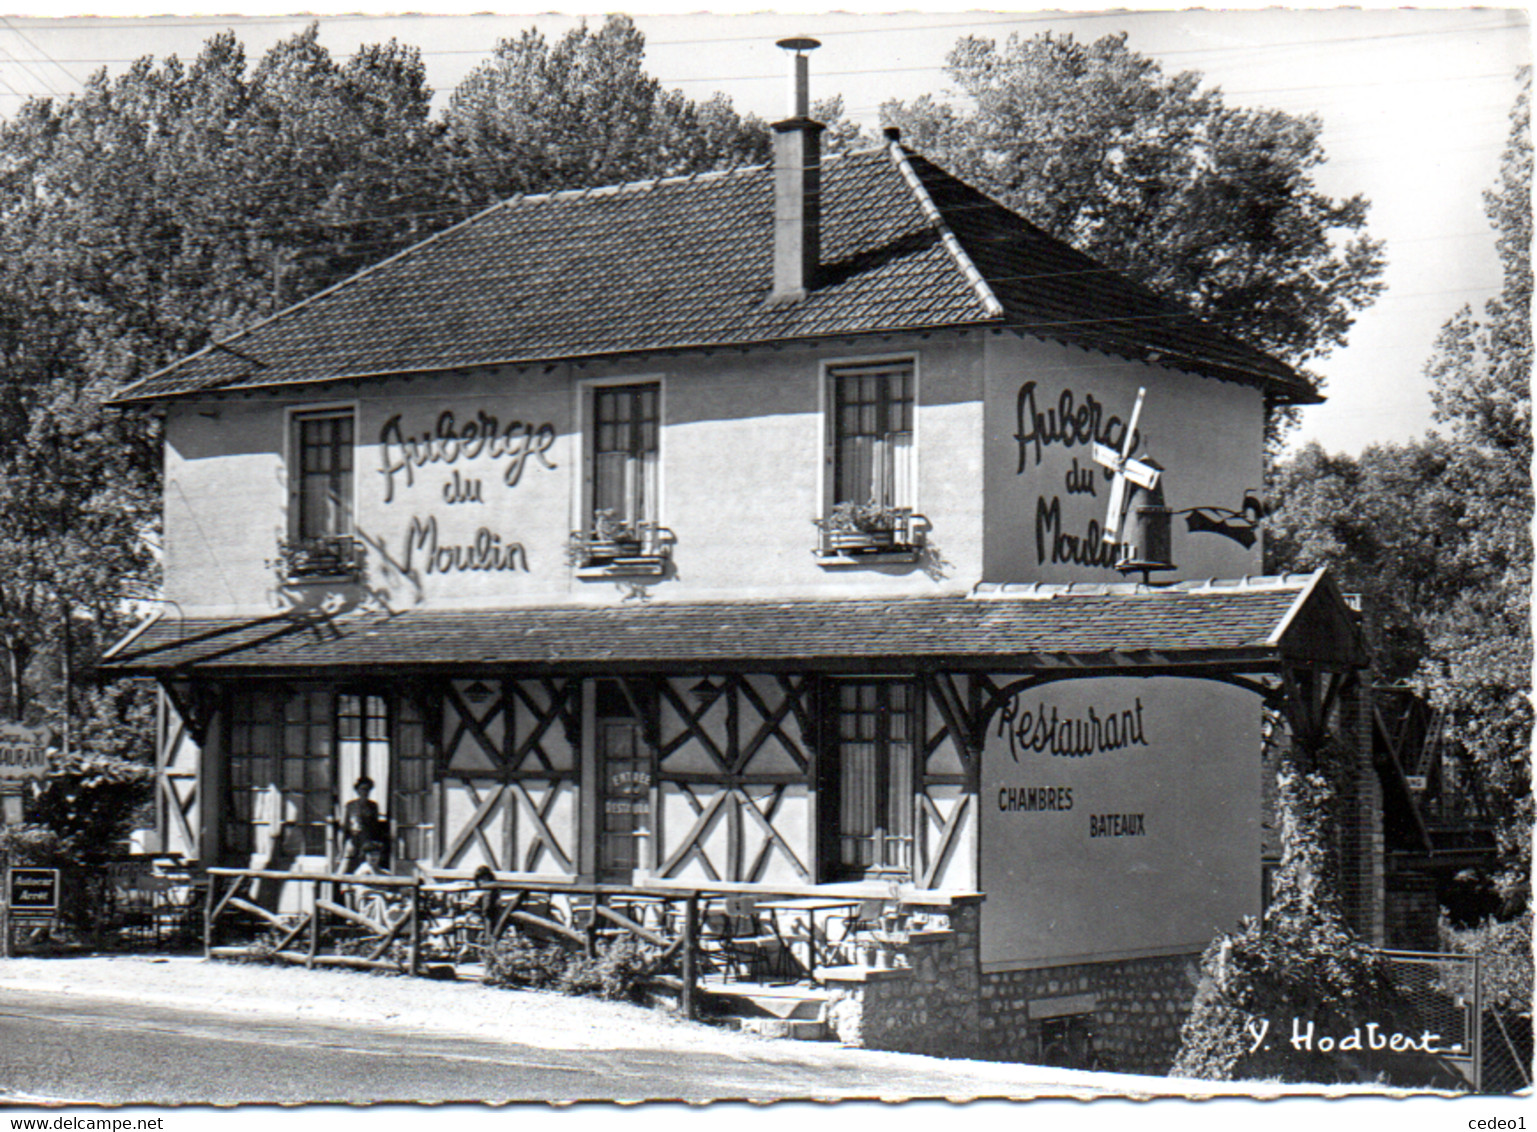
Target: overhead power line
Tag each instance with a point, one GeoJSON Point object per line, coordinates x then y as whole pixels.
{"type": "Point", "coordinates": [654, 42]}
{"type": "Point", "coordinates": [9, 26]}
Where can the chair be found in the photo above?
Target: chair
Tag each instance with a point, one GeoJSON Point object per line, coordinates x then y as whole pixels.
{"type": "Point", "coordinates": [747, 947]}
{"type": "Point", "coordinates": [864, 917]}
{"type": "Point", "coordinates": [713, 940]}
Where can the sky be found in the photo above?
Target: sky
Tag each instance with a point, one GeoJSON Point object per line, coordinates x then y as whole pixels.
{"type": "Point", "coordinates": [1414, 105]}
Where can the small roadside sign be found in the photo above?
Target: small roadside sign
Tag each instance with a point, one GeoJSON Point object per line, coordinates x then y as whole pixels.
{"type": "Point", "coordinates": [32, 893]}
{"type": "Point", "coordinates": [23, 752]}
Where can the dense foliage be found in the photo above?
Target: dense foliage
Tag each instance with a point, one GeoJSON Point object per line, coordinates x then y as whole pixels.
{"type": "Point", "coordinates": [533, 118]}
{"type": "Point", "coordinates": [1299, 970]}
{"type": "Point", "coordinates": [1435, 533]}
{"type": "Point", "coordinates": [1269, 986]}
{"type": "Point", "coordinates": [1505, 970]}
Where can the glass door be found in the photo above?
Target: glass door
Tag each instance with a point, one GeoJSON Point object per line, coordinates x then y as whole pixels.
{"type": "Point", "coordinates": [624, 762]}
{"type": "Point", "coordinates": [411, 809]}
{"type": "Point", "coordinates": [875, 777]}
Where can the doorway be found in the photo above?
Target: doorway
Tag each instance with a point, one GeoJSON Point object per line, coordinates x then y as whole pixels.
{"type": "Point", "coordinates": [624, 758]}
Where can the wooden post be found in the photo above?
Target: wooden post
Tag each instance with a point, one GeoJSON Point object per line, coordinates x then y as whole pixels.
{"type": "Point", "coordinates": [5, 904]}
{"type": "Point", "coordinates": [314, 949]}
{"type": "Point", "coordinates": [1477, 1034]}
{"type": "Point", "coordinates": [208, 905]}
{"type": "Point", "coordinates": [415, 958]}
{"type": "Point", "coordinates": [690, 932]}
{"type": "Point", "coordinates": [592, 926]}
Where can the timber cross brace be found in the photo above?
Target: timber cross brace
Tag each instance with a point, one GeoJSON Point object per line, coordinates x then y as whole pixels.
{"type": "Point", "coordinates": [751, 722]}
{"type": "Point", "coordinates": [477, 708]}
{"type": "Point", "coordinates": [196, 703]}
{"type": "Point", "coordinates": [504, 749]}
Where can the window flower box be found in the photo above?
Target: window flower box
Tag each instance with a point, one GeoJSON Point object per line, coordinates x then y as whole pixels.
{"type": "Point", "coordinates": [334, 557]}
{"type": "Point", "coordinates": [614, 547]}
{"type": "Point", "coordinates": [856, 529]}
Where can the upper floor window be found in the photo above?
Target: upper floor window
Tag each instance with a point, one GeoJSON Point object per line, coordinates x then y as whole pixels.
{"type": "Point", "coordinates": [622, 526]}
{"type": "Point", "coordinates": [870, 459]}
{"type": "Point", "coordinates": [323, 486]}
{"type": "Point", "coordinates": [320, 496]}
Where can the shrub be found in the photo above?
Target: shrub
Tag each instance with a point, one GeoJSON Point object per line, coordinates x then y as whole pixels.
{"type": "Point", "coordinates": [518, 960]}
{"type": "Point", "coordinates": [89, 801]}
{"type": "Point", "coordinates": [30, 844]}
{"type": "Point", "coordinates": [616, 972]}
{"type": "Point", "coordinates": [1290, 972]}
{"type": "Point", "coordinates": [1506, 968]}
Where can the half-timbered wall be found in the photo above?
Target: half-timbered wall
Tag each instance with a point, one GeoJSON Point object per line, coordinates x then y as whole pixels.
{"type": "Point", "coordinates": [735, 768]}
{"type": "Point", "coordinates": [510, 775]}
{"type": "Point", "coordinates": [178, 789]}
{"type": "Point", "coordinates": [737, 774]}
{"type": "Point", "coordinates": [945, 824]}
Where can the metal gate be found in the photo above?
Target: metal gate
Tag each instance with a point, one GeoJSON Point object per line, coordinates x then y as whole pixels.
{"type": "Point", "coordinates": [1492, 1049]}
{"type": "Point", "coordinates": [1443, 991]}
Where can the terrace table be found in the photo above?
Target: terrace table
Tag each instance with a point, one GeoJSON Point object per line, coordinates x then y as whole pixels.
{"type": "Point", "coordinates": [810, 907]}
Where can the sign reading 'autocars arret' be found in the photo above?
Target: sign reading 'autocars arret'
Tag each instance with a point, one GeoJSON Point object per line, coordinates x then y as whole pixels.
{"type": "Point", "coordinates": [32, 892]}
{"type": "Point", "coordinates": [23, 751]}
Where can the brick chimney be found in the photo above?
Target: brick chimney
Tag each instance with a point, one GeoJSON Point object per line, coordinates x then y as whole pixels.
{"type": "Point", "coordinates": [797, 184]}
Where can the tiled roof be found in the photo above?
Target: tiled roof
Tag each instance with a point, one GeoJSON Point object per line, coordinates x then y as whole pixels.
{"type": "Point", "coordinates": [1053, 291]}
{"type": "Point", "coordinates": [686, 263]}
{"type": "Point", "coordinates": [1106, 629]}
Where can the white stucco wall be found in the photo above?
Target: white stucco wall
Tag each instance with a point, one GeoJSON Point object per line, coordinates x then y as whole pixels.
{"type": "Point", "coordinates": [1045, 405]}
{"type": "Point", "coordinates": [1120, 817]}
{"type": "Point", "coordinates": [742, 458]}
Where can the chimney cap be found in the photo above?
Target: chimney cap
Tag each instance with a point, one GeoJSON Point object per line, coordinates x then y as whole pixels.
{"type": "Point", "coordinates": [893, 133]}
{"type": "Point", "coordinates": [799, 43]}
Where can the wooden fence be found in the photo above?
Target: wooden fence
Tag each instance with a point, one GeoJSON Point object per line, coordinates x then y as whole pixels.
{"type": "Point", "coordinates": [429, 926]}
{"type": "Point", "coordinates": [414, 926]}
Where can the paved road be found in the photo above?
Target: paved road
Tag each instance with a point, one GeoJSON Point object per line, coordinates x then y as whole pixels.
{"type": "Point", "coordinates": [72, 1048]}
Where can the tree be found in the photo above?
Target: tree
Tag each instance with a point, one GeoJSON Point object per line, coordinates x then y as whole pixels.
{"type": "Point", "coordinates": [184, 202]}
{"type": "Point", "coordinates": [139, 219]}
{"type": "Point", "coordinates": [1152, 175]}
{"type": "Point", "coordinates": [1479, 652]}
{"type": "Point", "coordinates": [584, 113]}
{"type": "Point", "coordinates": [1383, 523]}
{"type": "Point", "coordinates": [1436, 534]}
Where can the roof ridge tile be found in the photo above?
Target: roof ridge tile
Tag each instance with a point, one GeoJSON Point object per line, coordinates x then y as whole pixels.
{"type": "Point", "coordinates": [957, 252]}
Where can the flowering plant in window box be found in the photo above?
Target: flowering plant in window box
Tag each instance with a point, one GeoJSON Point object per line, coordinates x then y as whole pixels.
{"type": "Point", "coordinates": [611, 537]}
{"type": "Point", "coordinates": [616, 541]}
{"type": "Point", "coordinates": [857, 528]}
{"type": "Point", "coordinates": [306, 559]}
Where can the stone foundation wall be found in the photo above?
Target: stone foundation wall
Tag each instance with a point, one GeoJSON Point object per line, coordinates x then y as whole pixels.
{"type": "Point", "coordinates": [931, 1005]}
{"type": "Point", "coordinates": [1135, 1009]}
{"type": "Point", "coordinates": [939, 1002]}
